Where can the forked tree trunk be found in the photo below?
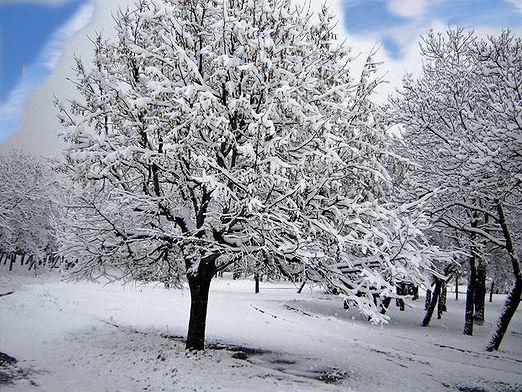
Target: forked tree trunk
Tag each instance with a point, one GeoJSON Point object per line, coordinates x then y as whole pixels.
{"type": "Point", "coordinates": [480, 294]}
{"type": "Point", "coordinates": [433, 302]}
{"type": "Point", "coordinates": [199, 285]}
{"type": "Point", "coordinates": [513, 299]}
{"type": "Point", "coordinates": [470, 301]}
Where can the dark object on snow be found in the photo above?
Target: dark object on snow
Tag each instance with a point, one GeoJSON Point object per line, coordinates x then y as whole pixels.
{"type": "Point", "coordinates": [8, 293]}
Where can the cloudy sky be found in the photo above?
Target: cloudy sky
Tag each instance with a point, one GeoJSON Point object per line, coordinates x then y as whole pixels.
{"type": "Point", "coordinates": [38, 39]}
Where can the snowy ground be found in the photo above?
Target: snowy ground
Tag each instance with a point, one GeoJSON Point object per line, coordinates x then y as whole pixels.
{"type": "Point", "coordinates": [92, 337]}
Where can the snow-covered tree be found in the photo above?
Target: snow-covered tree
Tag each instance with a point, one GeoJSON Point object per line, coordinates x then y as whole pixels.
{"type": "Point", "coordinates": [26, 204]}
{"type": "Point", "coordinates": [220, 133]}
{"type": "Point", "coordinates": [462, 126]}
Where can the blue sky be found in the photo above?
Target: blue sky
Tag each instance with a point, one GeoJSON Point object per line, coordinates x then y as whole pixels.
{"type": "Point", "coordinates": [388, 20]}
{"type": "Point", "coordinates": [24, 30]}
{"type": "Point", "coordinates": [32, 36]}
{"type": "Point", "coordinates": [34, 32]}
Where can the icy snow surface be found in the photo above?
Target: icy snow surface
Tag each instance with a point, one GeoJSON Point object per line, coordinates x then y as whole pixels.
{"type": "Point", "coordinates": [93, 337]}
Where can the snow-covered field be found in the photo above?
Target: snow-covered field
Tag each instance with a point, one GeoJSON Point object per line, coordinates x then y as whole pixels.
{"type": "Point", "coordinates": [92, 337]}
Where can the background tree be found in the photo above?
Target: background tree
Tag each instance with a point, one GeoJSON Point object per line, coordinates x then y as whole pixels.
{"type": "Point", "coordinates": [462, 127]}
{"type": "Point", "coordinates": [26, 206]}
{"type": "Point", "coordinates": [219, 133]}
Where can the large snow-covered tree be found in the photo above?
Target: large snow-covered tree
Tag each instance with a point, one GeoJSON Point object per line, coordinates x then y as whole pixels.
{"type": "Point", "coordinates": [462, 126]}
{"type": "Point", "coordinates": [212, 133]}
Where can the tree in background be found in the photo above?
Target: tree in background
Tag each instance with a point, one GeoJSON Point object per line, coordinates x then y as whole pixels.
{"type": "Point", "coordinates": [26, 206]}
{"type": "Point", "coordinates": [462, 126]}
{"type": "Point", "coordinates": [213, 134]}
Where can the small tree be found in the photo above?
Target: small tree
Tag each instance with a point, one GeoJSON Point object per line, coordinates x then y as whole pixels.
{"type": "Point", "coordinates": [462, 127]}
{"type": "Point", "coordinates": [220, 133]}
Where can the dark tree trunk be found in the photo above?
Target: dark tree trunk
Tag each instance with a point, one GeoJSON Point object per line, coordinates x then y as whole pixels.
{"type": "Point", "coordinates": [256, 279]}
{"type": "Point", "coordinates": [22, 259]}
{"type": "Point", "coordinates": [492, 287]}
{"type": "Point", "coordinates": [427, 301]}
{"type": "Point", "coordinates": [199, 285]}
{"type": "Point", "coordinates": [470, 293]}
{"type": "Point", "coordinates": [301, 287]}
{"type": "Point", "coordinates": [480, 294]}
{"type": "Point", "coordinates": [31, 262]}
{"type": "Point", "coordinates": [513, 298]}
{"type": "Point", "coordinates": [433, 302]}
{"type": "Point", "coordinates": [11, 262]}
{"type": "Point", "coordinates": [442, 300]}
{"type": "Point", "coordinates": [456, 287]}
{"type": "Point", "coordinates": [510, 307]}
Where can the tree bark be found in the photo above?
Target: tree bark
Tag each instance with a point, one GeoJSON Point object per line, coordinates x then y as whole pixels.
{"type": "Point", "coordinates": [456, 286]}
{"type": "Point", "coordinates": [442, 300]}
{"type": "Point", "coordinates": [480, 294]}
{"type": "Point", "coordinates": [470, 293]}
{"type": "Point", "coordinates": [11, 262]}
{"type": "Point", "coordinates": [256, 278]}
{"type": "Point", "coordinates": [427, 300]}
{"type": "Point", "coordinates": [513, 299]}
{"type": "Point", "coordinates": [199, 285]}
{"type": "Point", "coordinates": [510, 307]}
{"type": "Point", "coordinates": [491, 288]}
{"type": "Point", "coordinates": [432, 304]}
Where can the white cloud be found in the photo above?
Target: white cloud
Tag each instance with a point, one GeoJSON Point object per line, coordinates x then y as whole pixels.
{"type": "Point", "coordinates": [515, 3]}
{"type": "Point", "coordinates": [408, 8]}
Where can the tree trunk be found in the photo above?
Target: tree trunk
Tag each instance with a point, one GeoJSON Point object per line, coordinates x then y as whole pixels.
{"type": "Point", "coordinates": [470, 302]}
{"type": "Point", "coordinates": [433, 302]}
{"type": "Point", "coordinates": [510, 307]}
{"type": "Point", "coordinates": [492, 287]}
{"type": "Point", "coordinates": [199, 285]}
{"type": "Point", "coordinates": [442, 300]}
{"type": "Point", "coordinates": [427, 301]}
{"type": "Point", "coordinates": [11, 262]}
{"type": "Point", "coordinates": [256, 278]}
{"type": "Point", "coordinates": [301, 287]}
{"type": "Point", "coordinates": [456, 286]}
{"type": "Point", "coordinates": [513, 299]}
{"type": "Point", "coordinates": [480, 294]}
